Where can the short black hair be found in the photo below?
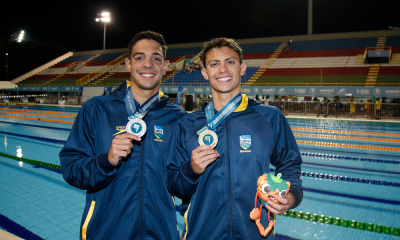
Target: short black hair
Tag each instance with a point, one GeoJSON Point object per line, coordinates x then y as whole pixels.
{"type": "Point", "coordinates": [149, 35]}
{"type": "Point", "coordinates": [219, 43]}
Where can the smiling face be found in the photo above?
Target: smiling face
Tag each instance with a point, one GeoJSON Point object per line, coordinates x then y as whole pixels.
{"type": "Point", "coordinates": [223, 70]}
{"type": "Point", "coordinates": [268, 190]}
{"type": "Point", "coordinates": [146, 65]}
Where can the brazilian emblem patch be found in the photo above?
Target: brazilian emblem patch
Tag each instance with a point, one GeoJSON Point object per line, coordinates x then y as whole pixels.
{"type": "Point", "coordinates": [158, 131]}
{"type": "Point", "coordinates": [245, 143]}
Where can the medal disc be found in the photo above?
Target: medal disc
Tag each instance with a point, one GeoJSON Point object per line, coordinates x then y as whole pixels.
{"type": "Point", "coordinates": [136, 126]}
{"type": "Point", "coordinates": [208, 137]}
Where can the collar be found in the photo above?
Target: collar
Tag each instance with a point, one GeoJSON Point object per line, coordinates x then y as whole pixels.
{"type": "Point", "coordinates": [128, 84]}
{"type": "Point", "coordinates": [243, 104]}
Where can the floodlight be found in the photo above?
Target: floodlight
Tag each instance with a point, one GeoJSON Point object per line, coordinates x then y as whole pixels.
{"type": "Point", "coordinates": [105, 18]}
{"type": "Point", "coordinates": [21, 36]}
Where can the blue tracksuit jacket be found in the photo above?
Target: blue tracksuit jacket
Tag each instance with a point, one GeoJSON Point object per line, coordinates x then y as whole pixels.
{"type": "Point", "coordinates": [223, 196]}
{"type": "Point", "coordinates": [128, 201]}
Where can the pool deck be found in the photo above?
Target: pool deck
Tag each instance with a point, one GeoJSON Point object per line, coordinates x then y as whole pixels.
{"type": "Point", "coordinates": [8, 236]}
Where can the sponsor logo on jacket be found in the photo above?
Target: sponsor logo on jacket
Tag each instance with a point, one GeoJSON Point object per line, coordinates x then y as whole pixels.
{"type": "Point", "coordinates": [245, 143]}
{"type": "Point", "coordinates": [158, 132]}
{"type": "Point", "coordinates": [120, 129]}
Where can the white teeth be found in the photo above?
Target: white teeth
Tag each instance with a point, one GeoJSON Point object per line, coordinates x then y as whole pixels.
{"type": "Point", "coordinates": [148, 75]}
{"type": "Point", "coordinates": [224, 79]}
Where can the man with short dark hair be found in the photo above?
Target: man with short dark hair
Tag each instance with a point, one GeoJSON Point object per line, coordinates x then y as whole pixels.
{"type": "Point", "coordinates": [117, 152]}
{"type": "Point", "coordinates": [238, 139]}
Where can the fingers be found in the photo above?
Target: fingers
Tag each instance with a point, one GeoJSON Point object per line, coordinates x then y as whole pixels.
{"type": "Point", "coordinates": [201, 148]}
{"type": "Point", "coordinates": [121, 147]}
{"type": "Point", "coordinates": [203, 156]}
{"type": "Point", "coordinates": [128, 136]}
{"type": "Point", "coordinates": [284, 204]}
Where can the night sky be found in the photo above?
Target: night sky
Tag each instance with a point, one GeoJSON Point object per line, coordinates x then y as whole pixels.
{"type": "Point", "coordinates": [72, 24]}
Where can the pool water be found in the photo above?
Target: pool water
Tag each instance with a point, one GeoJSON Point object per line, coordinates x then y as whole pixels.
{"type": "Point", "coordinates": [351, 170]}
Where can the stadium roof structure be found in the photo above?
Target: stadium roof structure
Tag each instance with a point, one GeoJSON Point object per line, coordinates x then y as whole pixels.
{"type": "Point", "coordinates": [7, 85]}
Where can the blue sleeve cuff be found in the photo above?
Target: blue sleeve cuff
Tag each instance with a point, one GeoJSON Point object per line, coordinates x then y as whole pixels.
{"type": "Point", "coordinates": [189, 173]}
{"type": "Point", "coordinates": [298, 197]}
{"type": "Point", "coordinates": [105, 165]}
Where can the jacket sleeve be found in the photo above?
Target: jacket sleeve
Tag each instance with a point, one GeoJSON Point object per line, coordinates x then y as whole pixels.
{"type": "Point", "coordinates": [81, 165]}
{"type": "Point", "coordinates": [286, 157]}
{"type": "Point", "coordinates": [181, 179]}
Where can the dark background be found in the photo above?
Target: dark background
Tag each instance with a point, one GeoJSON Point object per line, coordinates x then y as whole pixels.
{"type": "Point", "coordinates": [54, 28]}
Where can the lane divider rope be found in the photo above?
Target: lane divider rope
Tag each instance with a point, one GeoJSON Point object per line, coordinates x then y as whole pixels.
{"type": "Point", "coordinates": [342, 222]}
{"type": "Point", "coordinates": [345, 137]}
{"type": "Point", "coordinates": [345, 132]}
{"type": "Point", "coordinates": [349, 179]}
{"type": "Point", "coordinates": [358, 159]}
{"type": "Point", "coordinates": [326, 144]}
{"type": "Point", "coordinates": [39, 119]}
{"type": "Point", "coordinates": [37, 114]}
{"type": "Point", "coordinates": [38, 111]}
{"type": "Point", "coordinates": [354, 122]}
{"type": "Point", "coordinates": [31, 161]}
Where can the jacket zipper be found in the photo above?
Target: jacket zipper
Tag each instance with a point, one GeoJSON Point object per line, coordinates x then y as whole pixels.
{"type": "Point", "coordinates": [141, 191]}
{"type": "Point", "coordinates": [229, 179]}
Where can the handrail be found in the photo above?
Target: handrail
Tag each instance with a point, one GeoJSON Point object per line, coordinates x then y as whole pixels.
{"type": "Point", "coordinates": [73, 63]}
{"type": "Point", "coordinates": [180, 59]}
{"type": "Point", "coordinates": [195, 57]}
{"type": "Point", "coordinates": [99, 71]}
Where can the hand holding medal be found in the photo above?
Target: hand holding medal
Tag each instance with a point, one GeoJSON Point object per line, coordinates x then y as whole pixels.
{"type": "Point", "coordinates": [207, 135]}
{"type": "Point", "coordinates": [204, 155]}
{"type": "Point", "coordinates": [121, 147]}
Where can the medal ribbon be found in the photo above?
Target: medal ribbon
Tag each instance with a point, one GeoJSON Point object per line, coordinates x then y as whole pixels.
{"type": "Point", "coordinates": [214, 120]}
{"type": "Point", "coordinates": [141, 111]}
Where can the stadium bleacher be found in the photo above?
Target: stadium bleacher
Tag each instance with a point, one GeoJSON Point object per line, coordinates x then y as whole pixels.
{"type": "Point", "coordinates": [333, 61]}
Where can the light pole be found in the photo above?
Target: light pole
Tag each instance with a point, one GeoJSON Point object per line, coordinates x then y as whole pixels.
{"type": "Point", "coordinates": [105, 18]}
{"type": "Point", "coordinates": [7, 66]}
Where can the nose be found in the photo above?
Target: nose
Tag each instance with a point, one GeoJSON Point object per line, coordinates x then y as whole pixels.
{"type": "Point", "coordinates": [223, 68]}
{"type": "Point", "coordinates": [147, 63]}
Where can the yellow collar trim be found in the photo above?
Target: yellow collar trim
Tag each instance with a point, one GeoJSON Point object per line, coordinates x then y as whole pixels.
{"type": "Point", "coordinates": [128, 84]}
{"type": "Point", "coordinates": [243, 104]}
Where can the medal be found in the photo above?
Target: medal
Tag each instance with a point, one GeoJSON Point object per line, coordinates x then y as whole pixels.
{"type": "Point", "coordinates": [136, 125]}
{"type": "Point", "coordinates": [207, 135]}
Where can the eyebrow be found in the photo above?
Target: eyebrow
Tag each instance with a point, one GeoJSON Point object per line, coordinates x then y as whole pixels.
{"type": "Point", "coordinates": [142, 53]}
{"type": "Point", "coordinates": [227, 59]}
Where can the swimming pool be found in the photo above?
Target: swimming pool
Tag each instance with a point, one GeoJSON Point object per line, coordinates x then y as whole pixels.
{"type": "Point", "coordinates": [350, 171]}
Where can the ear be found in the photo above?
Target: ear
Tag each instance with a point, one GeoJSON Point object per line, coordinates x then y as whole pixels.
{"type": "Point", "coordinates": [128, 64]}
{"type": "Point", "coordinates": [166, 64]}
{"type": "Point", "coordinates": [243, 68]}
{"type": "Point", "coordinates": [204, 73]}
